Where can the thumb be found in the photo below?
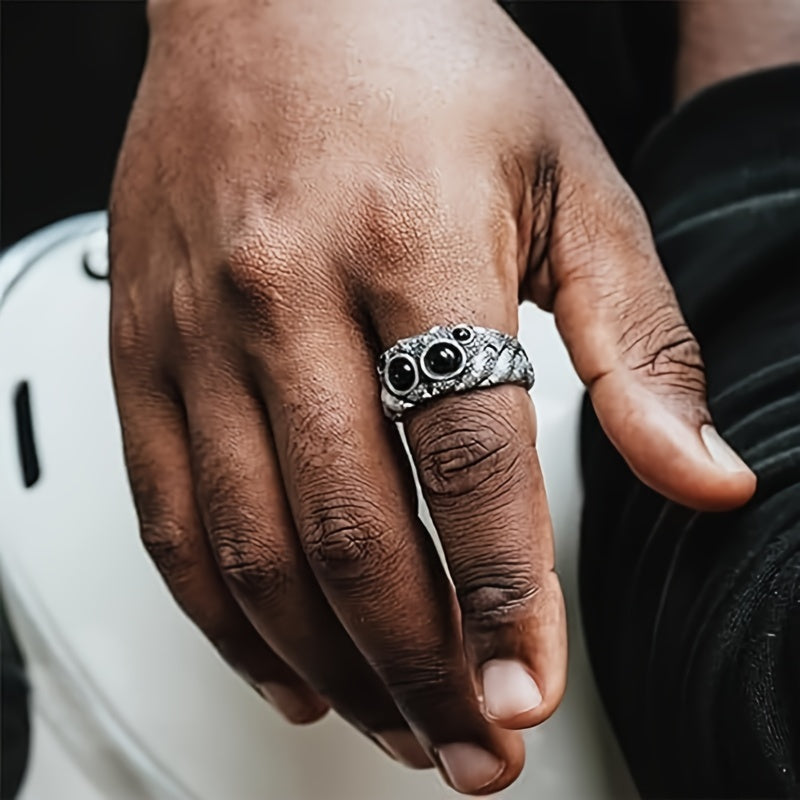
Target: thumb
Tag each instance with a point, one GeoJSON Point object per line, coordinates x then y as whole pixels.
{"type": "Point", "coordinates": [631, 347]}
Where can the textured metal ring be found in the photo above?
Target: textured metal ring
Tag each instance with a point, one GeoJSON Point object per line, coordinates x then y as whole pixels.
{"type": "Point", "coordinates": [447, 360]}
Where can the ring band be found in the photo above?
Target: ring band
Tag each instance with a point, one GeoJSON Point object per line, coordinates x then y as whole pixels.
{"type": "Point", "coordinates": [449, 360]}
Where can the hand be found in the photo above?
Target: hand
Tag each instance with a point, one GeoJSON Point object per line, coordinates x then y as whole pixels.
{"type": "Point", "coordinates": [301, 184]}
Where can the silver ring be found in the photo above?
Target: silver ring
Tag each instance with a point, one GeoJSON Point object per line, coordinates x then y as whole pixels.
{"type": "Point", "coordinates": [447, 360]}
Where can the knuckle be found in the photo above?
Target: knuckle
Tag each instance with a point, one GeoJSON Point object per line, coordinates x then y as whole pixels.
{"type": "Point", "coordinates": [244, 534]}
{"type": "Point", "coordinates": [664, 349]}
{"type": "Point", "coordinates": [250, 566]}
{"type": "Point", "coordinates": [489, 599]}
{"type": "Point", "coordinates": [463, 453]}
{"type": "Point", "coordinates": [246, 260]}
{"type": "Point", "coordinates": [257, 271]}
{"type": "Point", "coordinates": [168, 544]}
{"type": "Point", "coordinates": [345, 538]}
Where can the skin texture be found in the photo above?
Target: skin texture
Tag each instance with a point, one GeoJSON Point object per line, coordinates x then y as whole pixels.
{"type": "Point", "coordinates": [301, 184]}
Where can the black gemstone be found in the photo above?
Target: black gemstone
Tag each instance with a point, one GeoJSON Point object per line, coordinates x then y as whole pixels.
{"type": "Point", "coordinates": [443, 359]}
{"type": "Point", "coordinates": [402, 374]}
{"type": "Point", "coordinates": [462, 334]}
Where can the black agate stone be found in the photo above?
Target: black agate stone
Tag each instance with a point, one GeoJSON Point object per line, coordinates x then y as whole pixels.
{"type": "Point", "coordinates": [401, 374]}
{"type": "Point", "coordinates": [443, 360]}
{"type": "Point", "coordinates": [462, 334]}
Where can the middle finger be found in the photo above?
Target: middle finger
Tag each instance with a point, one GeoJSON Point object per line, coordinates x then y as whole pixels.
{"type": "Point", "coordinates": [251, 532]}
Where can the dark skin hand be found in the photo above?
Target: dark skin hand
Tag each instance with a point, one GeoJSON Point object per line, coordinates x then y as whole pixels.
{"type": "Point", "coordinates": [301, 184]}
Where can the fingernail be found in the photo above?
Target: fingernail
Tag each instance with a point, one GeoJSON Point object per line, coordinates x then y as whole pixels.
{"type": "Point", "coordinates": [508, 689]}
{"type": "Point", "coordinates": [467, 767]}
{"type": "Point", "coordinates": [404, 747]}
{"type": "Point", "coordinates": [291, 704]}
{"type": "Point", "coordinates": [720, 451]}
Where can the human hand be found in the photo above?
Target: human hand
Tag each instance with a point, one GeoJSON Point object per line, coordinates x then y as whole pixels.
{"type": "Point", "coordinates": [301, 185]}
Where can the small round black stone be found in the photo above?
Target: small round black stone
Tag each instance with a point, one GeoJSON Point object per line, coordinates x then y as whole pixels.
{"type": "Point", "coordinates": [443, 359]}
{"type": "Point", "coordinates": [462, 334]}
{"type": "Point", "coordinates": [401, 373]}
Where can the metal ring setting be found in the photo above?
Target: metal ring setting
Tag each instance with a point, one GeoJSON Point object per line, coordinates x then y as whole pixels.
{"type": "Point", "coordinates": [448, 360]}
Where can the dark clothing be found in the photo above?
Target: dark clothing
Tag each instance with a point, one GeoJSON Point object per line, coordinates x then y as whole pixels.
{"type": "Point", "coordinates": [15, 717]}
{"type": "Point", "coordinates": [693, 620]}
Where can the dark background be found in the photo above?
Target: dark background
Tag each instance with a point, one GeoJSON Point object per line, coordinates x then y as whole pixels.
{"type": "Point", "coordinates": [68, 75]}
{"type": "Point", "coordinates": [69, 69]}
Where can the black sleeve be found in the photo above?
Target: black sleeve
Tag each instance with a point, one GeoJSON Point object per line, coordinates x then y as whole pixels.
{"type": "Point", "coordinates": [693, 620]}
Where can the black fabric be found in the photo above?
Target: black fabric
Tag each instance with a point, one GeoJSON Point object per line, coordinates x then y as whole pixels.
{"type": "Point", "coordinates": [693, 620]}
{"type": "Point", "coordinates": [15, 717]}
